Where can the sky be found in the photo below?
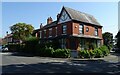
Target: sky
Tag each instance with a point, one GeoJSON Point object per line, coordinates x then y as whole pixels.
{"type": "Point", "coordinates": [35, 13]}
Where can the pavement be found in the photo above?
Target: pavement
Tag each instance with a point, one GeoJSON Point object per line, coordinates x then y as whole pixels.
{"type": "Point", "coordinates": [21, 63]}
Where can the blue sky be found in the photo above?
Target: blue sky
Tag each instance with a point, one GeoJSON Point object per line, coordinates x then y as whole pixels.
{"type": "Point", "coordinates": [37, 12]}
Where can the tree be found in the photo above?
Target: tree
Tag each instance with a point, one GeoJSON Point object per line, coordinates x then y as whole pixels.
{"type": "Point", "coordinates": [118, 39]}
{"type": "Point", "coordinates": [108, 39]}
{"type": "Point", "coordinates": [21, 31]}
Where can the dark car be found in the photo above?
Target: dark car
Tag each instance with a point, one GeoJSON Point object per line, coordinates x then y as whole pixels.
{"type": "Point", "coordinates": [117, 50]}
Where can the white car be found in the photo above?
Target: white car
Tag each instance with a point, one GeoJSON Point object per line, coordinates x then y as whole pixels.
{"type": "Point", "coordinates": [4, 48]}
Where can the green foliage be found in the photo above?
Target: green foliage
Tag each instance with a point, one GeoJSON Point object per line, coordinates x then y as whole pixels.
{"type": "Point", "coordinates": [85, 54]}
{"type": "Point", "coordinates": [30, 44]}
{"type": "Point", "coordinates": [16, 47]}
{"type": "Point", "coordinates": [104, 50]}
{"type": "Point", "coordinates": [61, 53]}
{"type": "Point", "coordinates": [92, 54]}
{"type": "Point", "coordinates": [48, 51]}
{"type": "Point", "coordinates": [98, 53]}
{"type": "Point", "coordinates": [118, 39]}
{"type": "Point", "coordinates": [21, 30]}
{"type": "Point", "coordinates": [108, 39]}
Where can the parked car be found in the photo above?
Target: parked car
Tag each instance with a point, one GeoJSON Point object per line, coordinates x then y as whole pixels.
{"type": "Point", "coordinates": [117, 50]}
{"type": "Point", "coordinates": [4, 48]}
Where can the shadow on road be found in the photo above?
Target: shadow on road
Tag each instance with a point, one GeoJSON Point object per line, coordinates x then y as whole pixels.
{"type": "Point", "coordinates": [76, 66]}
{"type": "Point", "coordinates": [21, 54]}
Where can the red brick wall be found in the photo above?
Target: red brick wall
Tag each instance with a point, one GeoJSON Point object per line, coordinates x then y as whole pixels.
{"type": "Point", "coordinates": [75, 30]}
{"type": "Point", "coordinates": [72, 28]}
{"type": "Point", "coordinates": [91, 30]}
{"type": "Point", "coordinates": [69, 28]}
{"type": "Point", "coordinates": [59, 29]}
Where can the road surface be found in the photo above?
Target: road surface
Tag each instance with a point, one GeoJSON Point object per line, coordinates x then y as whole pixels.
{"type": "Point", "coordinates": [20, 63]}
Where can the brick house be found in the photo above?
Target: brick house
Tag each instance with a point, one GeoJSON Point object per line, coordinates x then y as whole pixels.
{"type": "Point", "coordinates": [72, 29]}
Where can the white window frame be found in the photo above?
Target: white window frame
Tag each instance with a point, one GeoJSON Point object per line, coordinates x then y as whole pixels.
{"type": "Point", "coordinates": [64, 29]}
{"type": "Point", "coordinates": [81, 29]}
{"type": "Point", "coordinates": [50, 32]}
{"type": "Point", "coordinates": [96, 31]}
{"type": "Point", "coordinates": [44, 33]}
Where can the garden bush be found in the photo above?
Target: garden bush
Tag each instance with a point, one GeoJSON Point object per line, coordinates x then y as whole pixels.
{"type": "Point", "coordinates": [92, 53]}
{"type": "Point", "coordinates": [104, 50]}
{"type": "Point", "coordinates": [86, 53]}
{"type": "Point", "coordinates": [15, 47]}
{"type": "Point", "coordinates": [30, 44]}
{"type": "Point", "coordinates": [98, 53]}
{"type": "Point", "coordinates": [48, 51]}
{"type": "Point", "coordinates": [61, 53]}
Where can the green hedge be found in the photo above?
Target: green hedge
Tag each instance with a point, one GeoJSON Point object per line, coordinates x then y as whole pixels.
{"type": "Point", "coordinates": [62, 53]}
{"type": "Point", "coordinates": [105, 50]}
{"type": "Point", "coordinates": [96, 53]}
{"type": "Point", "coordinates": [16, 47]}
{"type": "Point", "coordinates": [42, 50]}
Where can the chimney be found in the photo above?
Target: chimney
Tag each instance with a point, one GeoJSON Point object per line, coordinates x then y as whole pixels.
{"type": "Point", "coordinates": [41, 25]}
{"type": "Point", "coordinates": [49, 20]}
{"type": "Point", "coordinates": [58, 15]}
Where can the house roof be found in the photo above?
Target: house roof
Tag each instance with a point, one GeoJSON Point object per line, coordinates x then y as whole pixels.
{"type": "Point", "coordinates": [80, 16]}
{"type": "Point", "coordinates": [51, 24]}
{"type": "Point", "coordinates": [74, 15]}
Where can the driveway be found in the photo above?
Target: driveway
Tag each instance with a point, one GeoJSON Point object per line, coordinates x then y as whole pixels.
{"type": "Point", "coordinates": [21, 63]}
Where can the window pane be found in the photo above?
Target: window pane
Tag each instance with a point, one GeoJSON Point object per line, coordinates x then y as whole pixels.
{"type": "Point", "coordinates": [96, 31]}
{"type": "Point", "coordinates": [64, 29]}
{"type": "Point", "coordinates": [81, 29]}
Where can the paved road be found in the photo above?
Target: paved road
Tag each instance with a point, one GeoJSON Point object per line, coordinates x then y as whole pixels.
{"type": "Point", "coordinates": [20, 63]}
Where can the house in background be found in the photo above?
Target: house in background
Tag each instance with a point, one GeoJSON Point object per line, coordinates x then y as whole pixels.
{"type": "Point", "coordinates": [72, 29]}
{"type": "Point", "coordinates": [7, 39]}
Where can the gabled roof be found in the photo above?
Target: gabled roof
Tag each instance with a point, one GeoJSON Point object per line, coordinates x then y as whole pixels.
{"type": "Point", "coordinates": [80, 16]}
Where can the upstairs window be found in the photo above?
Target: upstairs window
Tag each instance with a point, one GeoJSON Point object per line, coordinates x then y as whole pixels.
{"type": "Point", "coordinates": [50, 32]}
{"type": "Point", "coordinates": [87, 29]}
{"type": "Point", "coordinates": [44, 33]}
{"type": "Point", "coordinates": [96, 31]}
{"type": "Point", "coordinates": [81, 29]}
{"type": "Point", "coordinates": [40, 34]}
{"type": "Point", "coordinates": [64, 29]}
{"type": "Point", "coordinates": [56, 30]}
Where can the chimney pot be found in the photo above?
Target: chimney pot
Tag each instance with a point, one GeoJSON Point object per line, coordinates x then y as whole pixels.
{"type": "Point", "coordinates": [58, 15]}
{"type": "Point", "coordinates": [41, 25]}
{"type": "Point", "coordinates": [49, 20]}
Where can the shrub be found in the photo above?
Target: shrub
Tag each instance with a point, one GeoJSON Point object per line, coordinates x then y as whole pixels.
{"type": "Point", "coordinates": [104, 50]}
{"type": "Point", "coordinates": [30, 44]}
{"type": "Point", "coordinates": [98, 53]}
{"type": "Point", "coordinates": [87, 54]}
{"type": "Point", "coordinates": [92, 54]}
{"type": "Point", "coordinates": [61, 53]}
{"type": "Point", "coordinates": [16, 47]}
{"type": "Point", "coordinates": [84, 53]}
{"type": "Point", "coordinates": [48, 51]}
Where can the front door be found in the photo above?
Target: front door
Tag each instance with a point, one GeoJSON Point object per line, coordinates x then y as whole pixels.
{"type": "Point", "coordinates": [72, 44]}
